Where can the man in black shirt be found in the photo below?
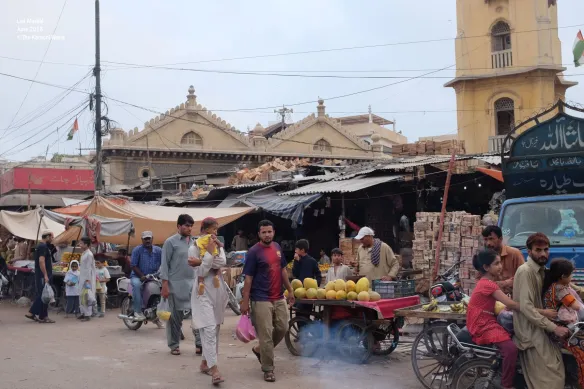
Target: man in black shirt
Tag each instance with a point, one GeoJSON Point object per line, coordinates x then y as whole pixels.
{"type": "Point", "coordinates": [43, 272]}
{"type": "Point", "coordinates": [304, 265]}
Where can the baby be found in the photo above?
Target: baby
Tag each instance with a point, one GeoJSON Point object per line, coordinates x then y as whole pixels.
{"type": "Point", "coordinates": [209, 227]}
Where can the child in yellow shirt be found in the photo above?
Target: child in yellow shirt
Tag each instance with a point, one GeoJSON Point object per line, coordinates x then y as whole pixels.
{"type": "Point", "coordinates": [209, 227]}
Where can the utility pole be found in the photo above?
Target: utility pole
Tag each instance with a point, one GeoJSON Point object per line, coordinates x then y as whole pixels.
{"type": "Point", "coordinates": [283, 112]}
{"type": "Point", "coordinates": [96, 73]}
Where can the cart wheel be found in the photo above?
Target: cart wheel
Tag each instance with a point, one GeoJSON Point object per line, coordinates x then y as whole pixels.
{"type": "Point", "coordinates": [355, 341]}
{"type": "Point", "coordinates": [386, 338]}
{"type": "Point", "coordinates": [431, 357]}
{"type": "Point", "coordinates": [303, 336]}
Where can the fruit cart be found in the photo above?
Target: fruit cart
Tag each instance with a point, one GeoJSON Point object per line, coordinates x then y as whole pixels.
{"type": "Point", "coordinates": [354, 329]}
{"type": "Point", "coordinates": [432, 359]}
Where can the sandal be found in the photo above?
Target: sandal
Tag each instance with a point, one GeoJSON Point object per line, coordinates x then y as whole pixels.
{"type": "Point", "coordinates": [258, 356]}
{"type": "Point", "coordinates": [269, 376]}
{"type": "Point", "coordinates": [216, 380]}
{"type": "Point", "coordinates": [46, 320]}
{"type": "Point", "coordinates": [31, 317]}
{"type": "Point", "coordinates": [176, 351]}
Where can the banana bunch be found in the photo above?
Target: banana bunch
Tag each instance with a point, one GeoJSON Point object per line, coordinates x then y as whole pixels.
{"type": "Point", "coordinates": [458, 308]}
{"type": "Point", "coordinates": [432, 307]}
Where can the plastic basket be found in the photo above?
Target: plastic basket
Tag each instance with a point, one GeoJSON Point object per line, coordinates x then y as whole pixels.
{"type": "Point", "coordinates": [394, 289]}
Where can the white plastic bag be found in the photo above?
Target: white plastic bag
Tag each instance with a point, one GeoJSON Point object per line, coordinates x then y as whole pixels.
{"type": "Point", "coordinates": [163, 310]}
{"type": "Point", "coordinates": [48, 296]}
{"type": "Point", "coordinates": [91, 300]}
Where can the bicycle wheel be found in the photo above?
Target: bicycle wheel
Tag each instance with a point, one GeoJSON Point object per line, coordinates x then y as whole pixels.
{"type": "Point", "coordinates": [431, 357]}
{"type": "Point", "coordinates": [476, 373]}
{"type": "Point", "coordinates": [303, 336]}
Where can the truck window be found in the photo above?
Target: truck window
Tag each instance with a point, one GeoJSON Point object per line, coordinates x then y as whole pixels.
{"type": "Point", "coordinates": [561, 221]}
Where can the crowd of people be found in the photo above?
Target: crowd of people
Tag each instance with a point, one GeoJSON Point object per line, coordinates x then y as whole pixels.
{"type": "Point", "coordinates": [544, 302]}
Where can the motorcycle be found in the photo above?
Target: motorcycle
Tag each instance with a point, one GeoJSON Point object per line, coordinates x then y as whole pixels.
{"type": "Point", "coordinates": [481, 366]}
{"type": "Point", "coordinates": [151, 288]}
{"type": "Point", "coordinates": [448, 286]}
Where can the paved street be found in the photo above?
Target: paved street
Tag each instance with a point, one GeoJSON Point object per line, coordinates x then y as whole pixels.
{"type": "Point", "coordinates": [104, 354]}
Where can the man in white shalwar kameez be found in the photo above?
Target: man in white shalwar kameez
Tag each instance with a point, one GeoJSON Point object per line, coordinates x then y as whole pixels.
{"type": "Point", "coordinates": [87, 275]}
{"type": "Point", "coordinates": [209, 308]}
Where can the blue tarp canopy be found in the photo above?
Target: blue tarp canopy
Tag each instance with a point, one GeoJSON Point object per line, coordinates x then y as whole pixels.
{"type": "Point", "coordinates": [287, 207]}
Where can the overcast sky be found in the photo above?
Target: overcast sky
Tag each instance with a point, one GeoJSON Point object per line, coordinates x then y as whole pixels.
{"type": "Point", "coordinates": [151, 32]}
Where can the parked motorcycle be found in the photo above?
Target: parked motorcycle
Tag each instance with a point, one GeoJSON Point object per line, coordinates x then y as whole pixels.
{"type": "Point", "coordinates": [481, 366]}
{"type": "Point", "coordinates": [151, 288]}
{"type": "Point", "coordinates": [448, 286]}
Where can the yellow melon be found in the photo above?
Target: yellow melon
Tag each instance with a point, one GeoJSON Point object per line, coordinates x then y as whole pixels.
{"type": "Point", "coordinates": [311, 294]}
{"type": "Point", "coordinates": [340, 285]}
{"type": "Point", "coordinates": [300, 293]}
{"type": "Point", "coordinates": [363, 296]}
{"type": "Point", "coordinates": [499, 307]}
{"type": "Point", "coordinates": [286, 293]}
{"type": "Point", "coordinates": [296, 284]}
{"type": "Point", "coordinates": [351, 286]}
{"type": "Point", "coordinates": [374, 296]}
{"type": "Point", "coordinates": [341, 295]}
{"type": "Point", "coordinates": [352, 296]}
{"type": "Point", "coordinates": [331, 295]}
{"type": "Point", "coordinates": [310, 283]}
{"type": "Point", "coordinates": [330, 286]}
{"type": "Point", "coordinates": [321, 294]}
{"type": "Point", "coordinates": [362, 285]}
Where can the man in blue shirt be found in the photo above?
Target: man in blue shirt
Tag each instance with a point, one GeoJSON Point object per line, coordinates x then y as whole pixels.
{"type": "Point", "coordinates": [146, 260]}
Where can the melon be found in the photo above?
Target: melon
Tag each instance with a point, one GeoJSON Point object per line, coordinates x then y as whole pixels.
{"type": "Point", "coordinates": [311, 294]}
{"type": "Point", "coordinates": [374, 296]}
{"type": "Point", "coordinates": [341, 295]}
{"type": "Point", "coordinates": [300, 293]}
{"type": "Point", "coordinates": [363, 296]}
{"type": "Point", "coordinates": [331, 295]}
{"type": "Point", "coordinates": [321, 294]}
{"type": "Point", "coordinates": [362, 285]}
{"type": "Point", "coordinates": [286, 293]}
{"type": "Point", "coordinates": [352, 296]}
{"type": "Point", "coordinates": [296, 284]}
{"type": "Point", "coordinates": [351, 286]}
{"type": "Point", "coordinates": [310, 283]}
{"type": "Point", "coordinates": [340, 285]}
{"type": "Point", "coordinates": [330, 286]}
{"type": "Point", "coordinates": [499, 307]}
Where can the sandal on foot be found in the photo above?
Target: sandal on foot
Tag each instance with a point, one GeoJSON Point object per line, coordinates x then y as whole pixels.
{"type": "Point", "coordinates": [32, 317]}
{"type": "Point", "coordinates": [269, 376]}
{"type": "Point", "coordinates": [176, 351]}
{"type": "Point", "coordinates": [216, 380]}
{"type": "Point", "coordinates": [258, 356]}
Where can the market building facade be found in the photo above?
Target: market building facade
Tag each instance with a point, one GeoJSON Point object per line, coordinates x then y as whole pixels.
{"type": "Point", "coordinates": [508, 66]}
{"type": "Point", "coordinates": [189, 139]}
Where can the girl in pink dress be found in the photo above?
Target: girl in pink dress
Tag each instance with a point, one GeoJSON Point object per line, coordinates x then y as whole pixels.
{"type": "Point", "coordinates": [481, 320]}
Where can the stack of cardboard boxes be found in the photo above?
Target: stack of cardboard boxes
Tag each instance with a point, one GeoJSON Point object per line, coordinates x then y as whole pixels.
{"type": "Point", "coordinates": [429, 148]}
{"type": "Point", "coordinates": [461, 239]}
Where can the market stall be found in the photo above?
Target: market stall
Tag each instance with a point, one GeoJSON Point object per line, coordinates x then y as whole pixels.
{"type": "Point", "coordinates": [30, 224]}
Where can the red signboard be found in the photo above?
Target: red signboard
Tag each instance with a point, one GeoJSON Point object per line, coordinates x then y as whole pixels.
{"type": "Point", "coordinates": [40, 179]}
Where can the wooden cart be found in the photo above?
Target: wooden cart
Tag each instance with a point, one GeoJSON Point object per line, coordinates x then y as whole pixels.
{"type": "Point", "coordinates": [432, 359]}
{"type": "Point", "coordinates": [364, 332]}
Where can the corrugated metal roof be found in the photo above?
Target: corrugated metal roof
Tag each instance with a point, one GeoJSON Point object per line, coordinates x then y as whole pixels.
{"type": "Point", "coordinates": [344, 186]}
{"type": "Point", "coordinates": [490, 159]}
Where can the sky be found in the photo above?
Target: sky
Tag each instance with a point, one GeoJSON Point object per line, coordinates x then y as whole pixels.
{"type": "Point", "coordinates": [208, 35]}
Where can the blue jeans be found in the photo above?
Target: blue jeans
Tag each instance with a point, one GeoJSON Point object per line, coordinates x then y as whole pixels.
{"type": "Point", "coordinates": [136, 294]}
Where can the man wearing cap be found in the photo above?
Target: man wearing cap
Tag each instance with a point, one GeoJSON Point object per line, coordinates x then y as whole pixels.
{"type": "Point", "coordinates": [146, 260]}
{"type": "Point", "coordinates": [375, 259]}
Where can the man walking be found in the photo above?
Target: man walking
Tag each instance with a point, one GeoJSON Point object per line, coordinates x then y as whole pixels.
{"type": "Point", "coordinates": [87, 278]}
{"type": "Point", "coordinates": [146, 260]}
{"type": "Point", "coordinates": [43, 273]}
{"type": "Point", "coordinates": [511, 258]}
{"type": "Point", "coordinates": [265, 270]}
{"type": "Point", "coordinates": [375, 259]}
{"type": "Point", "coordinates": [540, 358]}
{"type": "Point", "coordinates": [177, 274]}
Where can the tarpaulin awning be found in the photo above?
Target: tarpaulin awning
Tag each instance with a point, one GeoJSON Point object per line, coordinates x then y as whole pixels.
{"type": "Point", "coordinates": [496, 174]}
{"type": "Point", "coordinates": [26, 224]}
{"type": "Point", "coordinates": [160, 220]}
{"type": "Point", "coordinates": [287, 207]}
{"type": "Point", "coordinates": [108, 226]}
{"type": "Point", "coordinates": [78, 209]}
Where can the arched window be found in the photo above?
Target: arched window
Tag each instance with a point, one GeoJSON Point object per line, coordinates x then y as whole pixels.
{"type": "Point", "coordinates": [322, 146]}
{"type": "Point", "coordinates": [191, 139]}
{"type": "Point", "coordinates": [504, 115]}
{"type": "Point", "coordinates": [501, 45]}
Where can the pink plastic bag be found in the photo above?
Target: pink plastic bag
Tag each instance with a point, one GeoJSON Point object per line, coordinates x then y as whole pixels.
{"type": "Point", "coordinates": [245, 331]}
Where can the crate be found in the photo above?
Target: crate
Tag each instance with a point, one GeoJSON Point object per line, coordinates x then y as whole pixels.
{"type": "Point", "coordinates": [394, 289]}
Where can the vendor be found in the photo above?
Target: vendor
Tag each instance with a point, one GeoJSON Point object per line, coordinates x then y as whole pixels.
{"type": "Point", "coordinates": [240, 242]}
{"type": "Point", "coordinates": [21, 252]}
{"type": "Point", "coordinates": [375, 259]}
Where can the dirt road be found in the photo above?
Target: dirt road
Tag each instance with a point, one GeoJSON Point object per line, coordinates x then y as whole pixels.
{"type": "Point", "coordinates": [103, 354]}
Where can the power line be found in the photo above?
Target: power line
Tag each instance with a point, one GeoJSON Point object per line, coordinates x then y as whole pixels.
{"type": "Point", "coordinates": [37, 71]}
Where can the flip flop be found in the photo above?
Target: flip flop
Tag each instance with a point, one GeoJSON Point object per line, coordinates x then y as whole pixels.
{"type": "Point", "coordinates": [269, 376]}
{"type": "Point", "coordinates": [217, 380]}
{"type": "Point", "coordinates": [176, 351]}
{"type": "Point", "coordinates": [32, 317]}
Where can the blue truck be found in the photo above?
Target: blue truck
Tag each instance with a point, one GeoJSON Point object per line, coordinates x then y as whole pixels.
{"type": "Point", "coordinates": [543, 174]}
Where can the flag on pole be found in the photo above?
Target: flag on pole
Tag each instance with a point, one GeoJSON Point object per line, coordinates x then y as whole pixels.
{"type": "Point", "coordinates": [579, 49]}
{"type": "Point", "coordinates": [73, 130]}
